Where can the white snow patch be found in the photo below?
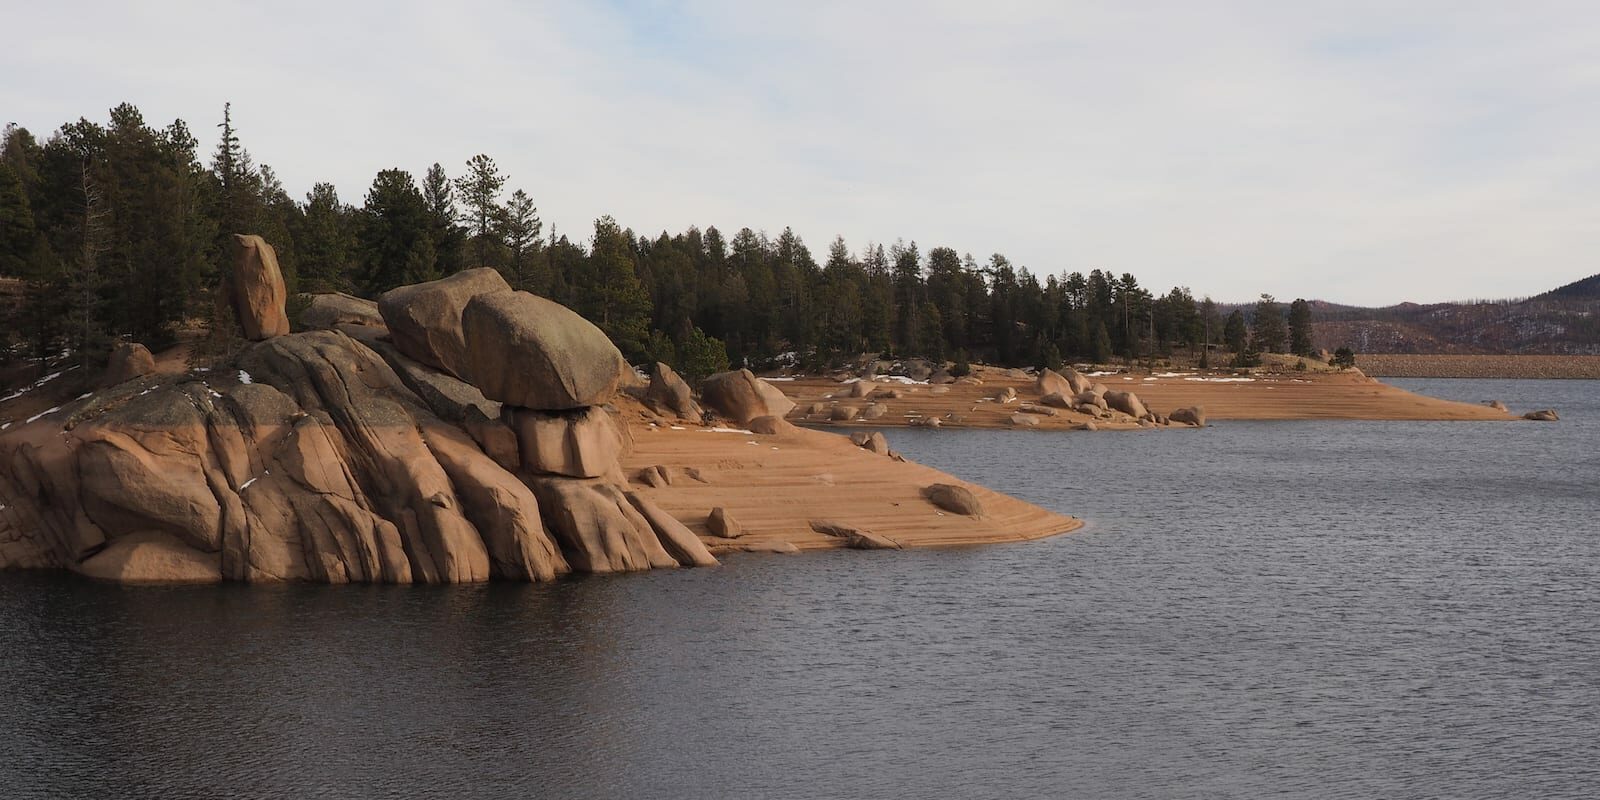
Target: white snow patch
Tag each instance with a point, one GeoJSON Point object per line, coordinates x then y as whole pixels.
{"type": "Point", "coordinates": [244, 377]}
{"type": "Point", "coordinates": [247, 483]}
{"type": "Point", "coordinates": [678, 427]}
{"type": "Point", "coordinates": [41, 414]}
{"type": "Point", "coordinates": [1172, 374]}
{"type": "Point", "coordinates": [728, 430]}
{"type": "Point", "coordinates": [85, 395]}
{"type": "Point", "coordinates": [779, 378]}
{"type": "Point", "coordinates": [4, 426]}
{"type": "Point", "coordinates": [1098, 374]}
{"type": "Point", "coordinates": [1222, 380]}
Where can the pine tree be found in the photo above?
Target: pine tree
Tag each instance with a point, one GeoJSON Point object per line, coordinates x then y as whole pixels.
{"type": "Point", "coordinates": [520, 231]}
{"type": "Point", "coordinates": [1300, 328]}
{"type": "Point", "coordinates": [609, 291]}
{"type": "Point", "coordinates": [1267, 331]}
{"type": "Point", "coordinates": [394, 243]}
{"type": "Point", "coordinates": [326, 242]}
{"type": "Point", "coordinates": [444, 226]}
{"type": "Point", "coordinates": [17, 230]}
{"type": "Point", "coordinates": [480, 193]}
{"type": "Point", "coordinates": [1234, 332]}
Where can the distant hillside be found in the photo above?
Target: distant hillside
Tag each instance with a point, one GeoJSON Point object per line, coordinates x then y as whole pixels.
{"type": "Point", "coordinates": [1587, 288]}
{"type": "Point", "coordinates": [1564, 321]}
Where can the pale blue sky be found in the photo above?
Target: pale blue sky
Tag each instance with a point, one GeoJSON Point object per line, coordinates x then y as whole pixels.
{"type": "Point", "coordinates": [1347, 151]}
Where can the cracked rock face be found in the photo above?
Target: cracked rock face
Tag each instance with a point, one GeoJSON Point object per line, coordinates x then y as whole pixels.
{"type": "Point", "coordinates": [326, 468]}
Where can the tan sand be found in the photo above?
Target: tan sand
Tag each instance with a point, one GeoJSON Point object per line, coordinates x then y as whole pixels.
{"type": "Point", "coordinates": [775, 486]}
{"type": "Point", "coordinates": [1285, 396]}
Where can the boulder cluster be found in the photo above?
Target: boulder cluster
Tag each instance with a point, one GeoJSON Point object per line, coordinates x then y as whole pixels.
{"type": "Point", "coordinates": [1074, 392]}
{"type": "Point", "coordinates": [460, 431]}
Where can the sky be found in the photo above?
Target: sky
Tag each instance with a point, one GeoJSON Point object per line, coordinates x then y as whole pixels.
{"type": "Point", "coordinates": [1355, 152]}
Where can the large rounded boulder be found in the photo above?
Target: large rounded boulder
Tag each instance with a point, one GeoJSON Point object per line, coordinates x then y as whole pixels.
{"type": "Point", "coordinates": [425, 319]}
{"type": "Point", "coordinates": [740, 396]}
{"type": "Point", "coordinates": [668, 393]}
{"type": "Point", "coordinates": [535, 353]}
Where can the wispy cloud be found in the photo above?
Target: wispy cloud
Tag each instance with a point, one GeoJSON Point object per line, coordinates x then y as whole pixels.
{"type": "Point", "coordinates": [1351, 151]}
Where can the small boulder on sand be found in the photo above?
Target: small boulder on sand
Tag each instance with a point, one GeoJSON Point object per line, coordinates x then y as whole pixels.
{"type": "Point", "coordinates": [855, 538]}
{"type": "Point", "coordinates": [1024, 420]}
{"type": "Point", "coordinates": [953, 498]}
{"type": "Point", "coordinates": [256, 289]}
{"type": "Point", "coordinates": [1057, 400]}
{"type": "Point", "coordinates": [1497, 405]}
{"type": "Point", "coordinates": [669, 394]}
{"type": "Point", "coordinates": [1050, 382]}
{"type": "Point", "coordinates": [843, 413]}
{"type": "Point", "coordinates": [770, 426]}
{"type": "Point", "coordinates": [1126, 402]}
{"type": "Point", "coordinates": [861, 389]}
{"type": "Point", "coordinates": [873, 441]}
{"type": "Point", "coordinates": [938, 390]}
{"type": "Point", "coordinates": [1005, 395]}
{"type": "Point", "coordinates": [129, 360]}
{"type": "Point", "coordinates": [874, 411]}
{"type": "Point", "coordinates": [723, 524]}
{"type": "Point", "coordinates": [740, 396]}
{"type": "Point", "coordinates": [1194, 415]}
{"type": "Point", "coordinates": [1543, 415]}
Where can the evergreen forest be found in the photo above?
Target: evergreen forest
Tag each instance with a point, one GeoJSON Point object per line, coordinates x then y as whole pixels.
{"type": "Point", "coordinates": [119, 230]}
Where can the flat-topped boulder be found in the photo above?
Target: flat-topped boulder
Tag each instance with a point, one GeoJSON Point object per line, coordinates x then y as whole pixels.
{"type": "Point", "coordinates": [425, 319]}
{"type": "Point", "coordinates": [255, 290]}
{"type": "Point", "coordinates": [526, 351]}
{"type": "Point", "coordinates": [740, 396]}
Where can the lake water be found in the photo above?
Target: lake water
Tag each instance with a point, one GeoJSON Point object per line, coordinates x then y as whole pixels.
{"type": "Point", "coordinates": [1284, 609]}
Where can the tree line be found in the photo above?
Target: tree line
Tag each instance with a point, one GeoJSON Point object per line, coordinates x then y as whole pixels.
{"type": "Point", "coordinates": [118, 230]}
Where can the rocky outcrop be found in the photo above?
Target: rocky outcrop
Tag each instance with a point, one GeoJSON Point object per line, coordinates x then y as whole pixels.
{"type": "Point", "coordinates": [255, 290]}
{"type": "Point", "coordinates": [669, 394]}
{"type": "Point", "coordinates": [1195, 415]}
{"type": "Point", "coordinates": [328, 467]}
{"type": "Point", "coordinates": [740, 396]}
{"type": "Point", "coordinates": [527, 351]}
{"type": "Point", "coordinates": [1091, 398]}
{"type": "Point", "coordinates": [129, 360]}
{"type": "Point", "coordinates": [953, 498]}
{"type": "Point", "coordinates": [326, 312]}
{"type": "Point", "coordinates": [425, 319]}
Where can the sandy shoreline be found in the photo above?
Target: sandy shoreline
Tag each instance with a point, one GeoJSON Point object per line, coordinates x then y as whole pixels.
{"type": "Point", "coordinates": [776, 485]}
{"type": "Point", "coordinates": [1284, 396]}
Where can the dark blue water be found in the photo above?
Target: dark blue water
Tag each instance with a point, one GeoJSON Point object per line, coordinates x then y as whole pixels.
{"type": "Point", "coordinates": [1304, 610]}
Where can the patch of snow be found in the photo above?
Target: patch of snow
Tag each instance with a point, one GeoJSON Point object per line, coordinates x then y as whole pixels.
{"type": "Point", "coordinates": [1098, 374]}
{"type": "Point", "coordinates": [244, 378]}
{"type": "Point", "coordinates": [41, 414]}
{"type": "Point", "coordinates": [85, 395]}
{"type": "Point", "coordinates": [4, 426]}
{"type": "Point", "coordinates": [779, 378]}
{"type": "Point", "coordinates": [247, 483]}
{"type": "Point", "coordinates": [1172, 374]}
{"type": "Point", "coordinates": [201, 369]}
{"type": "Point", "coordinates": [1221, 380]}
{"type": "Point", "coordinates": [729, 430]}
{"type": "Point", "coordinates": [677, 427]}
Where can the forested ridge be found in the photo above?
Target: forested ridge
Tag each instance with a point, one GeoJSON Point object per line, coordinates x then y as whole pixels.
{"type": "Point", "coordinates": [118, 230]}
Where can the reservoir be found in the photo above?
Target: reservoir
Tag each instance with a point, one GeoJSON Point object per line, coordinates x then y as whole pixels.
{"type": "Point", "coordinates": [1285, 609]}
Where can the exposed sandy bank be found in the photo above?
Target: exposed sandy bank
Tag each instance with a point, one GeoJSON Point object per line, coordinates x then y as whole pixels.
{"type": "Point", "coordinates": [1285, 396]}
